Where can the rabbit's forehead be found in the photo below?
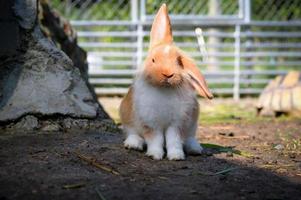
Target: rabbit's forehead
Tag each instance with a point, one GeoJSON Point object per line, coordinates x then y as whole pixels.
{"type": "Point", "coordinates": [165, 50]}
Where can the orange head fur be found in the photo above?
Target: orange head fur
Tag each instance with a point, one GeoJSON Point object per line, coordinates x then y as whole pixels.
{"type": "Point", "coordinates": [166, 65]}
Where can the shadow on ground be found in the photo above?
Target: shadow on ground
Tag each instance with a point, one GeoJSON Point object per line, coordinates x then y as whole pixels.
{"type": "Point", "coordinates": [45, 166]}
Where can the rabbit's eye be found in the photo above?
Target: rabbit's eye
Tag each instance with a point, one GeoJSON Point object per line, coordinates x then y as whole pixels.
{"type": "Point", "coordinates": [179, 62]}
{"type": "Point", "coordinates": [153, 60]}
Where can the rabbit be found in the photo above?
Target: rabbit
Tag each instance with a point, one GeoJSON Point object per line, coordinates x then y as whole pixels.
{"type": "Point", "coordinates": [161, 107]}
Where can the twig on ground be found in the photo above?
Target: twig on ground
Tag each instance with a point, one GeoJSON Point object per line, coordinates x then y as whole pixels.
{"type": "Point", "coordinates": [225, 171]}
{"type": "Point", "coordinates": [276, 165]}
{"type": "Point", "coordinates": [93, 162]}
{"type": "Point", "coordinates": [74, 186]}
{"type": "Point", "coordinates": [99, 194]}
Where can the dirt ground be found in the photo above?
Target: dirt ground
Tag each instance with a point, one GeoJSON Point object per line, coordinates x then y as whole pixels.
{"type": "Point", "coordinates": [263, 163]}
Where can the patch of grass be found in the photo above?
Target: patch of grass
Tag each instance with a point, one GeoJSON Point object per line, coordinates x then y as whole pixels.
{"type": "Point", "coordinates": [223, 149]}
{"type": "Point", "coordinates": [291, 141]}
{"type": "Point", "coordinates": [227, 112]}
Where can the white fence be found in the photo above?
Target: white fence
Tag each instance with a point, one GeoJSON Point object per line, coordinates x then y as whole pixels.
{"type": "Point", "coordinates": [243, 54]}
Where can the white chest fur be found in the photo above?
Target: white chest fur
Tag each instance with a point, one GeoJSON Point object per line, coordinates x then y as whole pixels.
{"type": "Point", "coordinates": [162, 107]}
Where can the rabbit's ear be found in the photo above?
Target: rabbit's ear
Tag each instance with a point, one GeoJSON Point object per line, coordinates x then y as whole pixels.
{"type": "Point", "coordinates": [161, 28]}
{"type": "Point", "coordinates": [196, 78]}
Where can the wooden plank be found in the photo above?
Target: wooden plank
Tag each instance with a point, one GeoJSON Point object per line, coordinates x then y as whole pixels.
{"type": "Point", "coordinates": [110, 81]}
{"type": "Point", "coordinates": [111, 91]}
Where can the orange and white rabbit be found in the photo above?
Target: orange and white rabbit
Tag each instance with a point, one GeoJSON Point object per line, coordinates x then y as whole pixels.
{"type": "Point", "coordinates": [161, 106]}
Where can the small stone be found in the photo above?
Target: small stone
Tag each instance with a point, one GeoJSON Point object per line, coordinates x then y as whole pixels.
{"type": "Point", "coordinates": [231, 134]}
{"type": "Point", "coordinates": [51, 127]}
{"type": "Point", "coordinates": [28, 123]}
{"type": "Point", "coordinates": [67, 123]}
{"type": "Point", "coordinates": [229, 154]}
{"type": "Point", "coordinates": [279, 147]}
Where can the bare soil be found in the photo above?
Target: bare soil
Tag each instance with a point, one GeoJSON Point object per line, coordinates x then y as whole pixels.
{"type": "Point", "coordinates": [94, 165]}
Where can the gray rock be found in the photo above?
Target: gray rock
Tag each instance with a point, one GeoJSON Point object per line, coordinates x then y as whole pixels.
{"type": "Point", "coordinates": [105, 125]}
{"type": "Point", "coordinates": [47, 83]}
{"type": "Point", "coordinates": [26, 12]}
{"type": "Point", "coordinates": [41, 80]}
{"type": "Point", "coordinates": [27, 123]}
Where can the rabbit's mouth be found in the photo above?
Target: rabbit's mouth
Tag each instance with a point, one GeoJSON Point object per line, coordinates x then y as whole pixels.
{"type": "Point", "coordinates": [172, 82]}
{"type": "Point", "coordinates": [165, 83]}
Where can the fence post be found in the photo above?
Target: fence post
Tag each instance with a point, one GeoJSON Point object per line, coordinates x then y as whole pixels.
{"type": "Point", "coordinates": [241, 9]}
{"type": "Point", "coordinates": [247, 11]}
{"type": "Point", "coordinates": [134, 10]}
{"type": "Point", "coordinates": [236, 86]}
{"type": "Point", "coordinates": [139, 53]}
{"type": "Point", "coordinates": [137, 24]}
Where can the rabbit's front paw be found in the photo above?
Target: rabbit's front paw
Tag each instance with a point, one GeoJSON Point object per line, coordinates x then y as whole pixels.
{"type": "Point", "coordinates": [134, 142]}
{"type": "Point", "coordinates": [193, 147]}
{"type": "Point", "coordinates": [175, 154]}
{"type": "Point", "coordinates": [156, 154]}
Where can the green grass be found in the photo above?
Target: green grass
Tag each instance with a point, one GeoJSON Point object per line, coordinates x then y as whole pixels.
{"type": "Point", "coordinates": [228, 112]}
{"type": "Point", "coordinates": [290, 139]}
{"type": "Point", "coordinates": [223, 149]}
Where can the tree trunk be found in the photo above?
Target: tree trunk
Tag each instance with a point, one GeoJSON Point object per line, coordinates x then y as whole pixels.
{"type": "Point", "coordinates": [40, 86]}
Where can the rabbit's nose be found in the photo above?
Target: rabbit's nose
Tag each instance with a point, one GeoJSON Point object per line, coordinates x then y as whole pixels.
{"type": "Point", "coordinates": [168, 75]}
